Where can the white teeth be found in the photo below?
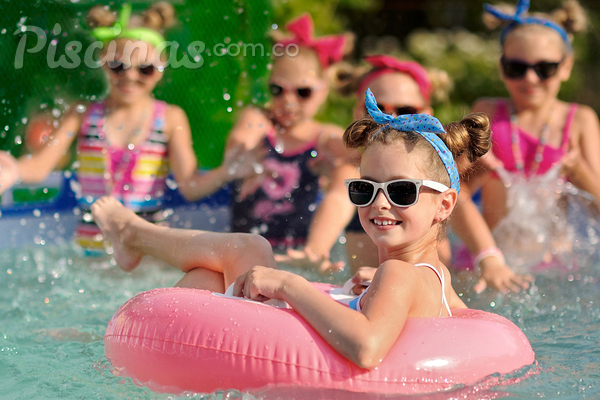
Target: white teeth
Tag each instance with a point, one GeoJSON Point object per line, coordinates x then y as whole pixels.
{"type": "Point", "coordinates": [383, 223]}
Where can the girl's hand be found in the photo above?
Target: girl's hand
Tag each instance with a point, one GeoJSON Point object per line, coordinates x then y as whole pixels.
{"type": "Point", "coordinates": [489, 161]}
{"type": "Point", "coordinates": [241, 163]}
{"type": "Point", "coordinates": [497, 275]}
{"type": "Point", "coordinates": [261, 284]}
{"type": "Point", "coordinates": [363, 274]}
{"type": "Point", "coordinates": [570, 161]}
{"type": "Point", "coordinates": [307, 258]}
{"type": "Point", "coordinates": [9, 171]}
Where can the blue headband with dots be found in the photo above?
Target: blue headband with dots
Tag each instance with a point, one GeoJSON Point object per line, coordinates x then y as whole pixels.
{"type": "Point", "coordinates": [423, 124]}
{"type": "Point", "coordinates": [519, 18]}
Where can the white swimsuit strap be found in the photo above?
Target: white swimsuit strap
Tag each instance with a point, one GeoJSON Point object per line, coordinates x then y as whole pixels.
{"type": "Point", "coordinates": [441, 278]}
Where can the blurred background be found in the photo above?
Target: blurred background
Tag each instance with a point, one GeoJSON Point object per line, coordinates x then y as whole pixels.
{"type": "Point", "coordinates": [446, 34]}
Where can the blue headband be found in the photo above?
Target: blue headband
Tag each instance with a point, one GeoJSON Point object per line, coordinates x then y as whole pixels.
{"type": "Point", "coordinates": [423, 124]}
{"type": "Point", "coordinates": [519, 18]}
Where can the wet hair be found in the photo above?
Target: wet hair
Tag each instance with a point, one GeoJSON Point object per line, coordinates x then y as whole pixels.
{"type": "Point", "coordinates": [346, 78]}
{"type": "Point", "coordinates": [158, 16]}
{"type": "Point", "coordinates": [471, 136]}
{"type": "Point", "coordinates": [570, 16]}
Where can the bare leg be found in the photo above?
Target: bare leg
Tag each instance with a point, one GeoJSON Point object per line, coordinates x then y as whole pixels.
{"type": "Point", "coordinates": [204, 278]}
{"type": "Point", "coordinates": [132, 237]}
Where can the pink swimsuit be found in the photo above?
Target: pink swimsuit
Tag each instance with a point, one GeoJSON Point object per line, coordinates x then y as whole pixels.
{"type": "Point", "coordinates": [501, 138]}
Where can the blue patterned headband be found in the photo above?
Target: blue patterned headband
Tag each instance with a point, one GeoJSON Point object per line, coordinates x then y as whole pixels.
{"type": "Point", "coordinates": [423, 124]}
{"type": "Point", "coordinates": [519, 18]}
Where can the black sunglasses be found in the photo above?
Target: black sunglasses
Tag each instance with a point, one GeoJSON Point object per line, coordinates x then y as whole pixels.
{"type": "Point", "coordinates": [398, 110]}
{"type": "Point", "coordinates": [399, 192]}
{"type": "Point", "coordinates": [117, 67]}
{"type": "Point", "coordinates": [277, 90]}
{"type": "Point", "coordinates": [516, 69]}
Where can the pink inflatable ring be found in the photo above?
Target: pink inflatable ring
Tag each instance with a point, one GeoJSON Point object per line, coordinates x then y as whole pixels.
{"type": "Point", "coordinates": [175, 340]}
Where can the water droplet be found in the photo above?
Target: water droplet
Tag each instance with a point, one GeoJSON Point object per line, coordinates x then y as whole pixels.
{"type": "Point", "coordinates": [80, 108]}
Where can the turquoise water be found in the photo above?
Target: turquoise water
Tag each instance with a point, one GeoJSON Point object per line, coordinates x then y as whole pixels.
{"type": "Point", "coordinates": [55, 305]}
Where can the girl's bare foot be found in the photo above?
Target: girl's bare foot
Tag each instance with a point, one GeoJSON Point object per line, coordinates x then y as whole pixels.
{"type": "Point", "coordinates": [115, 221]}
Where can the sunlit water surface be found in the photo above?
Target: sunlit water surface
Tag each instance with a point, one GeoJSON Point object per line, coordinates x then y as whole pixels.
{"type": "Point", "coordinates": [55, 305]}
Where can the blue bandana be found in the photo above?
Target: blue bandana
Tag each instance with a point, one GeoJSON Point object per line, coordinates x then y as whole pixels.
{"type": "Point", "coordinates": [519, 18]}
{"type": "Point", "coordinates": [423, 124]}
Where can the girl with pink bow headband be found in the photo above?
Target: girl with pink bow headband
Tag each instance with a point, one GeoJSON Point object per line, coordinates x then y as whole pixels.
{"type": "Point", "coordinates": [281, 201]}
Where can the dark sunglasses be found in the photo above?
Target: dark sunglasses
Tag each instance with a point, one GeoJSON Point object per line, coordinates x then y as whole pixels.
{"type": "Point", "coordinates": [398, 110]}
{"type": "Point", "coordinates": [399, 192]}
{"type": "Point", "coordinates": [516, 69]}
{"type": "Point", "coordinates": [117, 67]}
{"type": "Point", "coordinates": [302, 92]}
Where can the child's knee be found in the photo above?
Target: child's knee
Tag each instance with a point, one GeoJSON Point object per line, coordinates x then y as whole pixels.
{"type": "Point", "coordinates": [255, 249]}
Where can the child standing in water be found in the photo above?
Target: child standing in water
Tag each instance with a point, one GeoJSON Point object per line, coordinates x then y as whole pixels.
{"type": "Point", "coordinates": [281, 202]}
{"type": "Point", "coordinates": [537, 137]}
{"type": "Point", "coordinates": [127, 143]}
{"type": "Point", "coordinates": [405, 87]}
{"type": "Point", "coordinates": [408, 188]}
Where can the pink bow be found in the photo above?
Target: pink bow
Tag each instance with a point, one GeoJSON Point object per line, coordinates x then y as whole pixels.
{"type": "Point", "coordinates": [385, 65]}
{"type": "Point", "coordinates": [329, 49]}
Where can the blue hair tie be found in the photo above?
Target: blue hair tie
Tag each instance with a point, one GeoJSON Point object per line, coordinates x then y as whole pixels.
{"type": "Point", "coordinates": [519, 18]}
{"type": "Point", "coordinates": [423, 124]}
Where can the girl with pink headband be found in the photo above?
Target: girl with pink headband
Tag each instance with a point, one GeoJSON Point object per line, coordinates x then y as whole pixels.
{"type": "Point", "coordinates": [405, 87]}
{"type": "Point", "coordinates": [282, 201]}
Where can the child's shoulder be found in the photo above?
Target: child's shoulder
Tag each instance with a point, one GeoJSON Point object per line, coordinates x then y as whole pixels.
{"type": "Point", "coordinates": [584, 113]}
{"type": "Point", "coordinates": [329, 137]}
{"type": "Point", "coordinates": [585, 119]}
{"type": "Point", "coordinates": [173, 111]}
{"type": "Point", "coordinates": [251, 114]}
{"type": "Point", "coordinates": [397, 267]}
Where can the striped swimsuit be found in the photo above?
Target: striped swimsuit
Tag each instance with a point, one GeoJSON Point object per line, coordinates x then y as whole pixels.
{"type": "Point", "coordinates": [135, 175]}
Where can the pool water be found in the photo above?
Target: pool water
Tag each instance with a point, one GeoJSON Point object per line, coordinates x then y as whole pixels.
{"type": "Point", "coordinates": [55, 305]}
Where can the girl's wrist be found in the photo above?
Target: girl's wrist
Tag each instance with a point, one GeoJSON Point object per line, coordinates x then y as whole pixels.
{"type": "Point", "coordinates": [485, 253]}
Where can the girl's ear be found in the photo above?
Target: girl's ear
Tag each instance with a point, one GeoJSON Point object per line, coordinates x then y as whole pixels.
{"type": "Point", "coordinates": [447, 202]}
{"type": "Point", "coordinates": [566, 67]}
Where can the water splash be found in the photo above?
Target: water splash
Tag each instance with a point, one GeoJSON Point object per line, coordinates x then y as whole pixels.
{"type": "Point", "coordinates": [549, 223]}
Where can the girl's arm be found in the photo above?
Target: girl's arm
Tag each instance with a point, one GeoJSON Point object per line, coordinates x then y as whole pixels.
{"type": "Point", "coordinates": [335, 210]}
{"type": "Point", "coordinates": [363, 338]}
{"type": "Point", "coordinates": [192, 184]}
{"type": "Point", "coordinates": [331, 217]}
{"type": "Point", "coordinates": [582, 164]}
{"type": "Point", "coordinates": [469, 224]}
{"type": "Point", "coordinates": [34, 168]}
{"type": "Point", "coordinates": [474, 231]}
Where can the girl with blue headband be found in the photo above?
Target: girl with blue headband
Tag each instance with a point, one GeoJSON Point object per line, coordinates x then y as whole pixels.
{"type": "Point", "coordinates": [406, 192]}
{"type": "Point", "coordinates": [537, 137]}
{"type": "Point", "coordinates": [403, 87]}
{"type": "Point", "coordinates": [128, 142]}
